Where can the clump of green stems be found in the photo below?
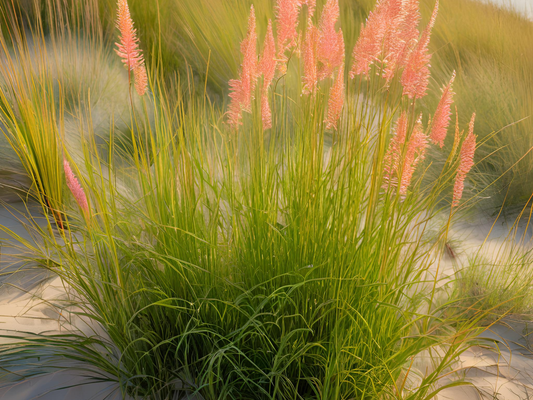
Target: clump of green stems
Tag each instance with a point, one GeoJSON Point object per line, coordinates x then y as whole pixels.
{"type": "Point", "coordinates": [250, 264]}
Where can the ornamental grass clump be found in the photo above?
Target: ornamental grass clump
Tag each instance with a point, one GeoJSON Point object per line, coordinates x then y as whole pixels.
{"type": "Point", "coordinates": [277, 253]}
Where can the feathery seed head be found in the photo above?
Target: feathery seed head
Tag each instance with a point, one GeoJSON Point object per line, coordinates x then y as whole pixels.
{"type": "Point", "coordinates": [394, 152]}
{"type": "Point", "coordinates": [128, 48]}
{"type": "Point", "coordinates": [266, 113]}
{"type": "Point", "coordinates": [330, 50]}
{"type": "Point", "coordinates": [287, 22]}
{"type": "Point", "coordinates": [416, 152]}
{"type": "Point", "coordinates": [402, 39]}
{"type": "Point", "coordinates": [267, 67]}
{"type": "Point", "coordinates": [267, 64]}
{"type": "Point", "coordinates": [141, 79]}
{"type": "Point", "coordinates": [310, 78]}
{"type": "Point", "coordinates": [311, 7]}
{"type": "Point", "coordinates": [466, 162]}
{"type": "Point", "coordinates": [415, 77]}
{"type": "Point", "coordinates": [377, 36]}
{"type": "Point", "coordinates": [75, 188]}
{"type": "Point", "coordinates": [242, 90]}
{"type": "Point", "coordinates": [336, 100]}
{"type": "Point", "coordinates": [441, 119]}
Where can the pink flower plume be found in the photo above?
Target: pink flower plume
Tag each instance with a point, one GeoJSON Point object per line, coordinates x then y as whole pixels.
{"type": "Point", "coordinates": [376, 36]}
{"type": "Point", "coordinates": [416, 152]}
{"type": "Point", "coordinates": [441, 119]}
{"type": "Point", "coordinates": [330, 42]}
{"type": "Point", "coordinates": [141, 79]}
{"type": "Point", "coordinates": [311, 7]}
{"type": "Point", "coordinates": [267, 63]}
{"type": "Point", "coordinates": [242, 90]}
{"type": "Point", "coordinates": [415, 77]}
{"type": "Point", "coordinates": [310, 78]}
{"type": "Point", "coordinates": [287, 22]}
{"type": "Point", "coordinates": [394, 152]}
{"type": "Point", "coordinates": [397, 162]}
{"type": "Point", "coordinates": [128, 48]}
{"type": "Point", "coordinates": [336, 100]}
{"type": "Point", "coordinates": [75, 187]}
{"type": "Point", "coordinates": [267, 67]}
{"type": "Point", "coordinates": [402, 38]}
{"type": "Point", "coordinates": [466, 162]}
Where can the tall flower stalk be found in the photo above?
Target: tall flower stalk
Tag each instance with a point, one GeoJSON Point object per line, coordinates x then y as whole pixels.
{"type": "Point", "coordinates": [267, 67]}
{"type": "Point", "coordinates": [75, 188]}
{"type": "Point", "coordinates": [441, 119]}
{"type": "Point", "coordinates": [466, 162]}
{"type": "Point", "coordinates": [336, 100]}
{"type": "Point", "coordinates": [287, 22]}
{"type": "Point", "coordinates": [243, 89]}
{"type": "Point", "coordinates": [330, 42]}
{"type": "Point", "coordinates": [128, 47]}
{"type": "Point", "coordinates": [415, 77]}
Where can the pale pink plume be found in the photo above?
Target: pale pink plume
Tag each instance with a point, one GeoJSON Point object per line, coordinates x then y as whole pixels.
{"type": "Point", "coordinates": [336, 100]}
{"type": "Point", "coordinates": [267, 67]}
{"type": "Point", "coordinates": [441, 119]}
{"type": "Point", "coordinates": [376, 36]}
{"type": "Point", "coordinates": [75, 188]}
{"type": "Point", "coordinates": [330, 42]}
{"type": "Point", "coordinates": [242, 90]}
{"type": "Point", "coordinates": [466, 162]}
{"type": "Point", "coordinates": [394, 152]}
{"type": "Point", "coordinates": [128, 48]}
{"type": "Point", "coordinates": [141, 79]}
{"type": "Point", "coordinates": [266, 113]}
{"type": "Point", "coordinates": [310, 78]}
{"type": "Point", "coordinates": [311, 7]}
{"type": "Point", "coordinates": [267, 63]}
{"type": "Point", "coordinates": [415, 77]}
{"type": "Point", "coordinates": [416, 152]}
{"type": "Point", "coordinates": [287, 22]}
{"type": "Point", "coordinates": [249, 64]}
{"type": "Point", "coordinates": [402, 39]}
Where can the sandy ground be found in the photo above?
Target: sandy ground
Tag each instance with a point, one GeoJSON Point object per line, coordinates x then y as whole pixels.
{"type": "Point", "coordinates": [27, 304]}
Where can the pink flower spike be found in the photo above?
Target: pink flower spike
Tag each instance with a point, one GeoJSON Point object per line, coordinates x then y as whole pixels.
{"type": "Point", "coordinates": [416, 152]}
{"type": "Point", "coordinates": [330, 42]}
{"type": "Point", "coordinates": [242, 90]}
{"type": "Point", "coordinates": [377, 36]}
{"type": "Point", "coordinates": [310, 78]}
{"type": "Point", "coordinates": [141, 79]}
{"type": "Point", "coordinates": [441, 119]}
{"type": "Point", "coordinates": [128, 48]}
{"type": "Point", "coordinates": [266, 113]}
{"type": "Point", "coordinates": [75, 187]}
{"type": "Point", "coordinates": [249, 64]}
{"type": "Point", "coordinates": [336, 100]}
{"type": "Point", "coordinates": [415, 77]}
{"type": "Point", "coordinates": [267, 66]}
{"type": "Point", "coordinates": [311, 7]}
{"type": "Point", "coordinates": [403, 38]}
{"type": "Point", "coordinates": [394, 152]}
{"type": "Point", "coordinates": [287, 21]}
{"type": "Point", "coordinates": [466, 162]}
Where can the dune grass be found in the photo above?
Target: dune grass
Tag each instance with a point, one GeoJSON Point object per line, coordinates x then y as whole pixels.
{"type": "Point", "coordinates": [241, 263]}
